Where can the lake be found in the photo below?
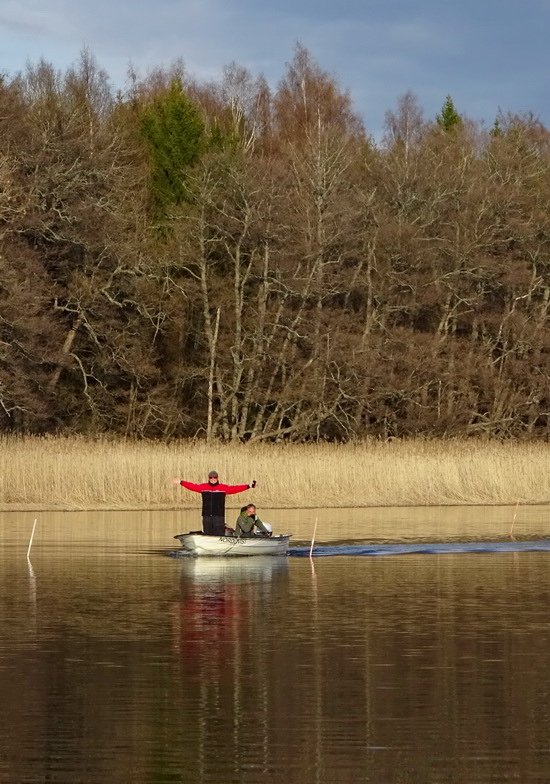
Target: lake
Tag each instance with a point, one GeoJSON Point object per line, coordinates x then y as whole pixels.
{"type": "Point", "coordinates": [119, 664]}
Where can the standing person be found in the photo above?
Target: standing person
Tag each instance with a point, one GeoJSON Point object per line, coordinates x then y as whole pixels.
{"type": "Point", "coordinates": [213, 501]}
{"type": "Point", "coordinates": [248, 520]}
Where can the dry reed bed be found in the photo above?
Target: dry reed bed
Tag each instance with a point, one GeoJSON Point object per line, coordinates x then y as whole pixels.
{"type": "Point", "coordinates": [77, 473]}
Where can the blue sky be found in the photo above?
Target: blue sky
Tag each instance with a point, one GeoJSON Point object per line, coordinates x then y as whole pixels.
{"type": "Point", "coordinates": [487, 54]}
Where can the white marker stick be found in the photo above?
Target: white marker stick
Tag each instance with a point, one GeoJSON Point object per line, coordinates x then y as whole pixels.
{"type": "Point", "coordinates": [313, 538]}
{"type": "Point", "coordinates": [32, 537]}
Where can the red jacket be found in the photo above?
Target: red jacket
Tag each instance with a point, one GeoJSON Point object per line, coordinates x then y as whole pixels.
{"type": "Point", "coordinates": [213, 496]}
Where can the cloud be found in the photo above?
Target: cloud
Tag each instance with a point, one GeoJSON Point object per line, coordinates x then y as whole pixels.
{"type": "Point", "coordinates": [482, 53]}
{"type": "Point", "coordinates": [30, 18]}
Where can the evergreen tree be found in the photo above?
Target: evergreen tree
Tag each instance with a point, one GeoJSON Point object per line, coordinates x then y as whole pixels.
{"type": "Point", "coordinates": [173, 129]}
{"type": "Point", "coordinates": [496, 130]}
{"type": "Point", "coordinates": [449, 118]}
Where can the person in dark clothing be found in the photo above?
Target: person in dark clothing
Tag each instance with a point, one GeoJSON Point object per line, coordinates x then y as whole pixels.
{"type": "Point", "coordinates": [247, 521]}
{"type": "Point", "coordinates": [213, 495]}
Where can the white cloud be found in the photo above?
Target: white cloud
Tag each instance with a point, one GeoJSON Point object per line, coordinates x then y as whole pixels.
{"type": "Point", "coordinates": [376, 49]}
{"type": "Point", "coordinates": [31, 18]}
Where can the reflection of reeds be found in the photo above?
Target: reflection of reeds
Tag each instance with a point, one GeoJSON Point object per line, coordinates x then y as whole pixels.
{"type": "Point", "coordinates": [81, 473]}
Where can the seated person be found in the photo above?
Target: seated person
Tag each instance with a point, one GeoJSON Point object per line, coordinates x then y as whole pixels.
{"type": "Point", "coordinates": [247, 521]}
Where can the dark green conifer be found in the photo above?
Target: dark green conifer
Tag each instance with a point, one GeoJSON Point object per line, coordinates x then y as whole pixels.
{"type": "Point", "coordinates": [174, 131]}
{"type": "Point", "coordinates": [448, 118]}
{"type": "Point", "coordinates": [496, 130]}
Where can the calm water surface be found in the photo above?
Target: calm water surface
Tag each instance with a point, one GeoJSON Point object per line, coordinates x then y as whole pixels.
{"type": "Point", "coordinates": [118, 664]}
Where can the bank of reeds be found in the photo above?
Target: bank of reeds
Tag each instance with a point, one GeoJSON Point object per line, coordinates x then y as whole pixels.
{"type": "Point", "coordinates": [79, 473]}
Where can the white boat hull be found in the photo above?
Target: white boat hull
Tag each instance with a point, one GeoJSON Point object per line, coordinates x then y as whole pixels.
{"type": "Point", "coordinates": [201, 544]}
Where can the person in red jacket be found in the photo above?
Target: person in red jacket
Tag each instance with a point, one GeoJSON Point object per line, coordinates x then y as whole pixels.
{"type": "Point", "coordinates": [213, 495]}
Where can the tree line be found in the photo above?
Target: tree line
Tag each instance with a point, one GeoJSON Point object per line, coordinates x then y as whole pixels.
{"type": "Point", "coordinates": [229, 261]}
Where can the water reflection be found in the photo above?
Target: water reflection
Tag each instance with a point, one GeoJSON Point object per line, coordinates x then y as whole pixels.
{"type": "Point", "coordinates": [108, 531]}
{"type": "Point", "coordinates": [217, 604]}
{"type": "Point", "coordinates": [127, 666]}
{"type": "Point", "coordinates": [231, 571]}
{"type": "Point", "coordinates": [223, 657]}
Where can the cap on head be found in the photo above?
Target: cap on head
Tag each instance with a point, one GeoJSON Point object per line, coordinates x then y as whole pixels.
{"type": "Point", "coordinates": [212, 474]}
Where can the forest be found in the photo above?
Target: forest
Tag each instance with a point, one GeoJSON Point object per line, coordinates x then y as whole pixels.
{"type": "Point", "coordinates": [237, 262]}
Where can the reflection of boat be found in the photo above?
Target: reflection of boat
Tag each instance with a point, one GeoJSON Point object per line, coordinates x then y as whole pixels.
{"type": "Point", "coordinates": [215, 571]}
{"type": "Point", "coordinates": [202, 544]}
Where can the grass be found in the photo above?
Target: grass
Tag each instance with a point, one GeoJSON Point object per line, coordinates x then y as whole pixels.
{"type": "Point", "coordinates": [80, 473]}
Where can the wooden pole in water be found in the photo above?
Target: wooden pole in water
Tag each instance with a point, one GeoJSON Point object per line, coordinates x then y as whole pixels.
{"type": "Point", "coordinates": [514, 520]}
{"type": "Point", "coordinates": [32, 537]}
{"type": "Point", "coordinates": [313, 538]}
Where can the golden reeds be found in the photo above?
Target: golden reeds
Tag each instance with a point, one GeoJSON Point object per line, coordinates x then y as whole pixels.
{"type": "Point", "coordinates": [80, 473]}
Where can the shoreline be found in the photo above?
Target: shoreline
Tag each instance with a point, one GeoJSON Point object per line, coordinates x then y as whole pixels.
{"type": "Point", "coordinates": [110, 508]}
{"type": "Point", "coordinates": [131, 528]}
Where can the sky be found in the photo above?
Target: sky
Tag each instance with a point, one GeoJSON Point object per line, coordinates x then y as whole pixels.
{"type": "Point", "coordinates": [489, 55]}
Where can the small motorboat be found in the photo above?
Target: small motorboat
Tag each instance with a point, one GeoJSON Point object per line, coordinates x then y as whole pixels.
{"type": "Point", "coordinates": [198, 543]}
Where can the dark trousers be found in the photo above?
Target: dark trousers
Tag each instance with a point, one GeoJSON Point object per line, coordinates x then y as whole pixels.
{"type": "Point", "coordinates": [214, 525]}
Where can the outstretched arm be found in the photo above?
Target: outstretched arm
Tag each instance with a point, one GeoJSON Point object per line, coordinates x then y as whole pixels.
{"type": "Point", "coordinates": [232, 489]}
{"type": "Point", "coordinates": [189, 485]}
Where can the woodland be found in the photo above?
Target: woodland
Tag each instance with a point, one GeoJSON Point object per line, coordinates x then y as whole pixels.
{"type": "Point", "coordinates": [237, 262]}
